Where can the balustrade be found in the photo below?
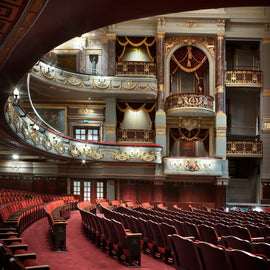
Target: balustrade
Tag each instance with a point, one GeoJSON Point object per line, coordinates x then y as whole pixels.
{"type": "Point", "coordinates": [136, 68]}
{"type": "Point", "coordinates": [183, 103]}
{"type": "Point", "coordinates": [238, 148]}
{"type": "Point", "coordinates": [135, 135]}
{"type": "Point", "coordinates": [250, 78]}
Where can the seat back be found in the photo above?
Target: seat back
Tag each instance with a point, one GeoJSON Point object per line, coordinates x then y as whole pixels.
{"type": "Point", "coordinates": [192, 230]}
{"type": "Point", "coordinates": [179, 225]}
{"type": "Point", "coordinates": [241, 232]}
{"type": "Point", "coordinates": [167, 230]}
{"type": "Point", "coordinates": [223, 230]}
{"type": "Point", "coordinates": [208, 234]}
{"type": "Point", "coordinates": [244, 260]}
{"type": "Point", "coordinates": [156, 233]}
{"type": "Point", "coordinates": [237, 243]}
{"type": "Point", "coordinates": [261, 248]}
{"type": "Point", "coordinates": [213, 257]}
{"type": "Point", "coordinates": [185, 254]}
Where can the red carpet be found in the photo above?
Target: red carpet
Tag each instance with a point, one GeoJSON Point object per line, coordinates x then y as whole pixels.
{"type": "Point", "coordinates": [81, 253]}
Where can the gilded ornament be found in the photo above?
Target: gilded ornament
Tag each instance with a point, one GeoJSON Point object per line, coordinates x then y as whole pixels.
{"type": "Point", "coordinates": [122, 156]}
{"type": "Point", "coordinates": [60, 148]}
{"type": "Point", "coordinates": [74, 151]}
{"type": "Point", "coordinates": [46, 142]}
{"type": "Point", "coordinates": [146, 156]}
{"type": "Point", "coordinates": [35, 138]}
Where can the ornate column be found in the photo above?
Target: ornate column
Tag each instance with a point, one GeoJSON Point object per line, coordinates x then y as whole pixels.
{"type": "Point", "coordinates": [110, 120]}
{"type": "Point", "coordinates": [264, 113]}
{"type": "Point", "coordinates": [160, 113]}
{"type": "Point", "coordinates": [220, 73]}
{"type": "Point", "coordinates": [111, 54]}
{"type": "Point", "coordinates": [221, 118]}
{"type": "Point", "coordinates": [221, 121]}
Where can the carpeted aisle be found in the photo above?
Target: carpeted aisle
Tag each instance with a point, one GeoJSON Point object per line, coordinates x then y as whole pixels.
{"type": "Point", "coordinates": [81, 253]}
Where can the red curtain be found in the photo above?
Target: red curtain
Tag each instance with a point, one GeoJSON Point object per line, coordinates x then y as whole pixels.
{"type": "Point", "coordinates": [195, 134]}
{"type": "Point", "coordinates": [190, 59]}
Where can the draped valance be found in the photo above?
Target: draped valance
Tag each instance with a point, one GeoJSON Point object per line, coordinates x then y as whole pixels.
{"type": "Point", "coordinates": [190, 59]}
{"type": "Point", "coordinates": [202, 135]}
{"type": "Point", "coordinates": [148, 42]}
{"type": "Point", "coordinates": [122, 107]}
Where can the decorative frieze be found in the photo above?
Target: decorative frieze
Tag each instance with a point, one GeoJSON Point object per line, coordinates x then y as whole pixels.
{"type": "Point", "coordinates": [248, 78]}
{"type": "Point", "coordinates": [193, 165]}
{"type": "Point", "coordinates": [184, 103]}
{"type": "Point", "coordinates": [244, 148]}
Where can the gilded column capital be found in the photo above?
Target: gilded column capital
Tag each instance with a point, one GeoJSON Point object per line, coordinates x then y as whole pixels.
{"type": "Point", "coordinates": [266, 41]}
{"type": "Point", "coordinates": [219, 89]}
{"type": "Point", "coordinates": [160, 35]}
{"type": "Point", "coordinates": [161, 87]}
{"type": "Point", "coordinates": [111, 36]}
{"type": "Point", "coordinates": [220, 36]}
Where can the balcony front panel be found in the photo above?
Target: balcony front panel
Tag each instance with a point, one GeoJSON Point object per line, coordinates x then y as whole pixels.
{"type": "Point", "coordinates": [40, 137]}
{"type": "Point", "coordinates": [193, 165]}
{"type": "Point", "coordinates": [133, 68]}
{"type": "Point", "coordinates": [243, 78]}
{"type": "Point", "coordinates": [135, 135]}
{"type": "Point", "coordinates": [238, 148]}
{"type": "Point", "coordinates": [133, 87]}
{"type": "Point", "coordinates": [190, 104]}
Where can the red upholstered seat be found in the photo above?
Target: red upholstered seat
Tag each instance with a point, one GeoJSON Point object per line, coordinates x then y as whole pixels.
{"type": "Point", "coordinates": [213, 257]}
{"type": "Point", "coordinates": [185, 253]}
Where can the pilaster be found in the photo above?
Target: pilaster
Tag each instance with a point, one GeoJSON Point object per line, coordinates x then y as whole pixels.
{"type": "Point", "coordinates": [110, 120]}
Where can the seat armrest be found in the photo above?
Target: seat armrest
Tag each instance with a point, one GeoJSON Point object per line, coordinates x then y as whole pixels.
{"type": "Point", "coordinates": [26, 256]}
{"type": "Point", "coordinates": [16, 247]}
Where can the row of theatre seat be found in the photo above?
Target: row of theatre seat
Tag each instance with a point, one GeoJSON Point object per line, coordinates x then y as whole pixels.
{"type": "Point", "coordinates": [157, 225]}
{"type": "Point", "coordinates": [111, 235]}
{"type": "Point", "coordinates": [18, 210]}
{"type": "Point", "coordinates": [57, 212]}
{"type": "Point", "coordinates": [13, 254]}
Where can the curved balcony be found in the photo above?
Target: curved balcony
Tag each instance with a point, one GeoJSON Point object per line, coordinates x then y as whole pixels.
{"type": "Point", "coordinates": [243, 78]}
{"type": "Point", "coordinates": [190, 104]}
{"type": "Point", "coordinates": [52, 142]}
{"type": "Point", "coordinates": [193, 165]}
{"type": "Point", "coordinates": [94, 85]}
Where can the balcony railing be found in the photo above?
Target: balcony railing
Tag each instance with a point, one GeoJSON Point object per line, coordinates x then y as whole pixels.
{"type": "Point", "coordinates": [98, 85]}
{"type": "Point", "coordinates": [193, 165]}
{"type": "Point", "coordinates": [241, 148]}
{"type": "Point", "coordinates": [135, 135]}
{"type": "Point", "coordinates": [39, 136]}
{"type": "Point", "coordinates": [248, 78]}
{"type": "Point", "coordinates": [135, 68]}
{"type": "Point", "coordinates": [185, 104]}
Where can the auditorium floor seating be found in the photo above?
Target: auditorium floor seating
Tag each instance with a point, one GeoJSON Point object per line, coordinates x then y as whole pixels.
{"type": "Point", "coordinates": [115, 235]}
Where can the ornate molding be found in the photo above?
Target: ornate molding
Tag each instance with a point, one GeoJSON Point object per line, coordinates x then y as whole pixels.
{"type": "Point", "coordinates": [244, 148]}
{"type": "Point", "coordinates": [208, 43]}
{"type": "Point", "coordinates": [193, 166]}
{"type": "Point", "coordinates": [57, 76]}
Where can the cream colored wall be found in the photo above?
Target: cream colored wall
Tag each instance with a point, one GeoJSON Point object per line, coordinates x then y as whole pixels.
{"type": "Point", "coordinates": [136, 120]}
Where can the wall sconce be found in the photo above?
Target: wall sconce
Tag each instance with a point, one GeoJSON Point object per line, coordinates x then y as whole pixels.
{"type": "Point", "coordinates": [16, 94]}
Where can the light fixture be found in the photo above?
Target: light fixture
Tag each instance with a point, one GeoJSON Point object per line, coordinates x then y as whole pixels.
{"type": "Point", "coordinates": [16, 94]}
{"type": "Point", "coordinates": [36, 127]}
{"type": "Point", "coordinates": [15, 156]}
{"type": "Point", "coordinates": [83, 161]}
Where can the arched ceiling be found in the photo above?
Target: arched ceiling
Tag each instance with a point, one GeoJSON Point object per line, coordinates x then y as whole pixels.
{"type": "Point", "coordinates": [31, 28]}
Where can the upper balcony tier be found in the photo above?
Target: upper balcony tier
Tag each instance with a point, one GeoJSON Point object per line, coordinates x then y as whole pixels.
{"type": "Point", "coordinates": [81, 86]}
{"type": "Point", "coordinates": [243, 78]}
{"type": "Point", "coordinates": [44, 139]}
{"type": "Point", "coordinates": [190, 104]}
